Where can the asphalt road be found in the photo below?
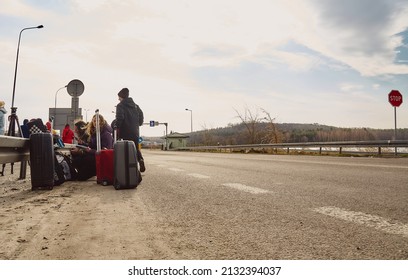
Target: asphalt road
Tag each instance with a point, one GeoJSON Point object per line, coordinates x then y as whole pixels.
{"type": "Point", "coordinates": [246, 206]}
{"type": "Point", "coordinates": [200, 206]}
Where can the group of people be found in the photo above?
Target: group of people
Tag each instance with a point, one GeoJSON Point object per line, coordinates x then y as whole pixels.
{"type": "Point", "coordinates": [129, 117]}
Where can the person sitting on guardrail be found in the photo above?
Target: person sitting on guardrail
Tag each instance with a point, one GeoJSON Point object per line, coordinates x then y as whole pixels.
{"type": "Point", "coordinates": [3, 112]}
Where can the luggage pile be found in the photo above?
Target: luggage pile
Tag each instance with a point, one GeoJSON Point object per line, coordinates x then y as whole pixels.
{"type": "Point", "coordinates": [49, 167]}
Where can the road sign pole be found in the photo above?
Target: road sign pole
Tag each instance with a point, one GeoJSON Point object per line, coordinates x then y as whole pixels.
{"type": "Point", "coordinates": [395, 123]}
{"type": "Point", "coordinates": [395, 99]}
{"type": "Point", "coordinates": [395, 127]}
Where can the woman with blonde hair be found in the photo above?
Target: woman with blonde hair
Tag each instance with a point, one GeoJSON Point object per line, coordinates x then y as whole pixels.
{"type": "Point", "coordinates": [84, 159]}
{"type": "Point", "coordinates": [106, 133]}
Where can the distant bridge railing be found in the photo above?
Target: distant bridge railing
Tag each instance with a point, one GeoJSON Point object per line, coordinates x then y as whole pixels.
{"type": "Point", "coordinates": [341, 147]}
{"type": "Point", "coordinates": [16, 149]}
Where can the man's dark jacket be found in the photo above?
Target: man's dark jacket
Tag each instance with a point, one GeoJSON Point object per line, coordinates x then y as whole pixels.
{"type": "Point", "coordinates": [128, 119]}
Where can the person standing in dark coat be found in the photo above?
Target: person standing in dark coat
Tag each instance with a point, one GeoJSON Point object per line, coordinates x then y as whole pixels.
{"type": "Point", "coordinates": [129, 117]}
{"type": "Point", "coordinates": [24, 129]}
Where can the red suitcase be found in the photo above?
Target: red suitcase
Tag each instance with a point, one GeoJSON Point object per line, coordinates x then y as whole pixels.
{"type": "Point", "coordinates": [103, 159]}
{"type": "Point", "coordinates": [104, 167]}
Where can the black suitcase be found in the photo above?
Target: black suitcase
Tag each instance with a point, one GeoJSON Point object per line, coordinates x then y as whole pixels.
{"type": "Point", "coordinates": [126, 171]}
{"type": "Point", "coordinates": [42, 161]}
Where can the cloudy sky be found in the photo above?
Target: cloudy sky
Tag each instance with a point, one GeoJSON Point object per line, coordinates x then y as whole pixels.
{"type": "Point", "coordinates": [303, 61]}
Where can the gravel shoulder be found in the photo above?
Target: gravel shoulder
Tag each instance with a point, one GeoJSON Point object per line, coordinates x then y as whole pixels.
{"type": "Point", "coordinates": [77, 220]}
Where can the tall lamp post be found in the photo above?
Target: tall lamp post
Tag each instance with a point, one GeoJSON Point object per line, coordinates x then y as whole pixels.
{"type": "Point", "coordinates": [86, 114]}
{"type": "Point", "coordinates": [55, 105]}
{"type": "Point", "coordinates": [13, 116]}
{"type": "Point", "coordinates": [13, 120]}
{"type": "Point", "coordinates": [191, 113]}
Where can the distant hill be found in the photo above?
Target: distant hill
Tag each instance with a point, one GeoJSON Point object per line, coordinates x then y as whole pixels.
{"type": "Point", "coordinates": [264, 132]}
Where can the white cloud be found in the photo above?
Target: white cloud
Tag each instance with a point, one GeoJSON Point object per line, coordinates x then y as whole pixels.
{"type": "Point", "coordinates": [350, 87]}
{"type": "Point", "coordinates": [288, 56]}
{"type": "Point", "coordinates": [360, 34]}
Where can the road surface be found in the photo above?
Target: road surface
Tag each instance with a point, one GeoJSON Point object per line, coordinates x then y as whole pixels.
{"type": "Point", "coordinates": [217, 206]}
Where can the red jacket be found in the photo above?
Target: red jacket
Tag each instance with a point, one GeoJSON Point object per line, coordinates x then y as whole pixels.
{"type": "Point", "coordinates": [67, 135]}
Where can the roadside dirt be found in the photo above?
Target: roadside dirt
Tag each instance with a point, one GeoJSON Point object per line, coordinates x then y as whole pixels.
{"type": "Point", "coordinates": [77, 220]}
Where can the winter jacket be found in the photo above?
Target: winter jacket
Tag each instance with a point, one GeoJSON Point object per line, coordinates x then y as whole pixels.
{"type": "Point", "coordinates": [129, 117]}
{"type": "Point", "coordinates": [67, 135]}
{"type": "Point", "coordinates": [106, 139]}
{"type": "Point", "coordinates": [3, 112]}
{"type": "Point", "coordinates": [24, 129]}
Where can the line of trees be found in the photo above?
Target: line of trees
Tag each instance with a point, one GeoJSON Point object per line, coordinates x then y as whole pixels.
{"type": "Point", "coordinates": [260, 128]}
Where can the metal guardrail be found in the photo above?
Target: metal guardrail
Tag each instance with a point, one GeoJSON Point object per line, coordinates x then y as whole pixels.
{"type": "Point", "coordinates": [14, 149]}
{"type": "Point", "coordinates": [378, 145]}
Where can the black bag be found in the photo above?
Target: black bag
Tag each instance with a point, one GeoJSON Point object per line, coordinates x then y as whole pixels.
{"type": "Point", "coordinates": [59, 175]}
{"type": "Point", "coordinates": [85, 165]}
{"type": "Point", "coordinates": [64, 168]}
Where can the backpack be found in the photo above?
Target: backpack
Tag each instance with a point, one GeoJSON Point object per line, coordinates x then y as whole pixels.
{"type": "Point", "coordinates": [36, 126]}
{"type": "Point", "coordinates": [59, 176]}
{"type": "Point", "coordinates": [85, 165]}
{"type": "Point", "coordinates": [64, 169]}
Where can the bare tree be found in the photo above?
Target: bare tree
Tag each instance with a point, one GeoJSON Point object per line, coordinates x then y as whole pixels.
{"type": "Point", "coordinates": [251, 121]}
{"type": "Point", "coordinates": [272, 134]}
{"type": "Point", "coordinates": [255, 126]}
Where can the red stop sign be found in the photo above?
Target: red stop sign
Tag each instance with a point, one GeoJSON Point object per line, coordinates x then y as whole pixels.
{"type": "Point", "coordinates": [395, 98]}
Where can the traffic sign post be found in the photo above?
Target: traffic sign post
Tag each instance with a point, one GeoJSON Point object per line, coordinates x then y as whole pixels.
{"type": "Point", "coordinates": [156, 123]}
{"type": "Point", "coordinates": [395, 99]}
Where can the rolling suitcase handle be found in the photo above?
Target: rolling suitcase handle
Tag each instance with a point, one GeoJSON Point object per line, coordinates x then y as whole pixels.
{"type": "Point", "coordinates": [127, 175]}
{"type": "Point", "coordinates": [98, 132]}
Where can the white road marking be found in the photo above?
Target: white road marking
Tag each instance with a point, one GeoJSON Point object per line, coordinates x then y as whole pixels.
{"type": "Point", "coordinates": [176, 169]}
{"type": "Point", "coordinates": [199, 176]}
{"type": "Point", "coordinates": [245, 188]}
{"type": "Point", "coordinates": [365, 219]}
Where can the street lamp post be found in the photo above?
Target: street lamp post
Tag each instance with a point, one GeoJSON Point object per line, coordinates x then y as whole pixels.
{"type": "Point", "coordinates": [55, 106]}
{"type": "Point", "coordinates": [191, 113]}
{"type": "Point", "coordinates": [13, 116]}
{"type": "Point", "coordinates": [86, 114]}
{"type": "Point", "coordinates": [13, 120]}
